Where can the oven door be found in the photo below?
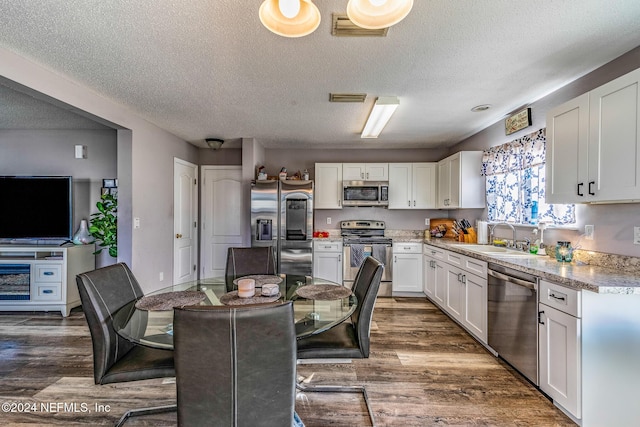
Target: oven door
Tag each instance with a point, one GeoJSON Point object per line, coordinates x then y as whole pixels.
{"type": "Point", "coordinates": [351, 264]}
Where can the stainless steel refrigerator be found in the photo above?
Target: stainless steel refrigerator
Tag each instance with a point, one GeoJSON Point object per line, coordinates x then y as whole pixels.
{"type": "Point", "coordinates": [282, 217]}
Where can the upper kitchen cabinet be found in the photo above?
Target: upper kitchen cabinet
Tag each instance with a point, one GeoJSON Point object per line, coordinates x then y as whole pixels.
{"type": "Point", "coordinates": [460, 185]}
{"type": "Point", "coordinates": [593, 145]}
{"type": "Point", "coordinates": [365, 171]}
{"type": "Point", "coordinates": [328, 186]}
{"type": "Point", "coordinates": [567, 151]}
{"type": "Point", "coordinates": [412, 185]}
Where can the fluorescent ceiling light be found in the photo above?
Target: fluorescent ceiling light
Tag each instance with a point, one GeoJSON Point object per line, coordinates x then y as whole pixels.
{"type": "Point", "coordinates": [382, 111]}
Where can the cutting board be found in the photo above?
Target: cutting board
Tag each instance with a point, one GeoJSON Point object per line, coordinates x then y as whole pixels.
{"type": "Point", "coordinates": [448, 223]}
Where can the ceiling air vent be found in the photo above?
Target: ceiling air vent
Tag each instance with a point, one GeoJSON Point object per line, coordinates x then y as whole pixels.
{"type": "Point", "coordinates": [347, 97]}
{"type": "Point", "coordinates": [343, 27]}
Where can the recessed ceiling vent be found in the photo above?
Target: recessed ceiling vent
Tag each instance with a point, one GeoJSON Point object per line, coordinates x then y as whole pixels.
{"type": "Point", "coordinates": [347, 97]}
{"type": "Point", "coordinates": [343, 27]}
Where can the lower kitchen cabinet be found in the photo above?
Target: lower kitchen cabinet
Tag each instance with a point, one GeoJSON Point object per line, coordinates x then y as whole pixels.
{"type": "Point", "coordinates": [327, 260]}
{"type": "Point", "coordinates": [458, 285]}
{"type": "Point", "coordinates": [466, 300]}
{"type": "Point", "coordinates": [559, 360]}
{"type": "Point", "coordinates": [588, 354]}
{"type": "Point", "coordinates": [407, 267]}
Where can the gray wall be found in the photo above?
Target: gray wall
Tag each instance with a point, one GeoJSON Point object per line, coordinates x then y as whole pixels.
{"type": "Point", "coordinates": [614, 222]}
{"type": "Point", "coordinates": [51, 152]}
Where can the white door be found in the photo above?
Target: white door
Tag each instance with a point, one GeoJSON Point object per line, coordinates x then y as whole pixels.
{"type": "Point", "coordinates": [185, 225]}
{"type": "Point", "coordinates": [223, 216]}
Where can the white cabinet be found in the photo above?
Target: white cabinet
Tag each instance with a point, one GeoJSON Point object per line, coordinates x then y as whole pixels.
{"type": "Point", "coordinates": [458, 285]}
{"type": "Point", "coordinates": [559, 349]}
{"type": "Point", "coordinates": [365, 171]}
{"type": "Point", "coordinates": [407, 267]}
{"type": "Point", "coordinates": [327, 193]}
{"type": "Point", "coordinates": [48, 276]}
{"type": "Point", "coordinates": [593, 145]}
{"type": "Point", "coordinates": [412, 185]}
{"type": "Point", "coordinates": [567, 151]}
{"type": "Point", "coordinates": [460, 185]}
{"type": "Point", "coordinates": [327, 260]}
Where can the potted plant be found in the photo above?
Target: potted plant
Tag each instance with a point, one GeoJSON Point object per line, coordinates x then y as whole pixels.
{"type": "Point", "coordinates": [104, 224]}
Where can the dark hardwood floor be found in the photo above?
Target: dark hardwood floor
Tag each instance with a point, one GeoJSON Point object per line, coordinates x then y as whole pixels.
{"type": "Point", "coordinates": [424, 370]}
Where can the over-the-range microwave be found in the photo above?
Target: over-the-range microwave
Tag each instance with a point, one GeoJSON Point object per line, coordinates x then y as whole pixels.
{"type": "Point", "coordinates": [365, 193]}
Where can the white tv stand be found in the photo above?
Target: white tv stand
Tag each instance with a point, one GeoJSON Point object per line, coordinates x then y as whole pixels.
{"type": "Point", "coordinates": [52, 275]}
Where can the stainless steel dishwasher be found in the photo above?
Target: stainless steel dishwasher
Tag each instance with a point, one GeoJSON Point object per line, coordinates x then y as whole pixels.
{"type": "Point", "coordinates": [513, 318]}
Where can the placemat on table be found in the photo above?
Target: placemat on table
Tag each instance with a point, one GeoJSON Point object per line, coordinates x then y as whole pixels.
{"type": "Point", "coordinates": [323, 292]}
{"type": "Point", "coordinates": [232, 298]}
{"type": "Point", "coordinates": [169, 300]}
{"type": "Point", "coordinates": [261, 279]}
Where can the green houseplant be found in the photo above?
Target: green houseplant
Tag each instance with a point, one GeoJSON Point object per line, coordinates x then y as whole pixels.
{"type": "Point", "coordinates": [104, 224]}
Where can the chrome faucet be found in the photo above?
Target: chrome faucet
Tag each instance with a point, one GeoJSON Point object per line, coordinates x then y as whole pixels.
{"type": "Point", "coordinates": [493, 227]}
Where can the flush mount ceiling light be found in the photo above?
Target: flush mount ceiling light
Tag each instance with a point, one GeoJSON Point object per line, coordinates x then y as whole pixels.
{"type": "Point", "coordinates": [290, 18]}
{"type": "Point", "coordinates": [480, 108]}
{"type": "Point", "coordinates": [382, 111]}
{"type": "Point", "coordinates": [214, 143]}
{"type": "Point", "coordinates": [376, 14]}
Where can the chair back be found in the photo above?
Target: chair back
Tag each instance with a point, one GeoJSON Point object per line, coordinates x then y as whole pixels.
{"type": "Point", "coordinates": [235, 365]}
{"type": "Point", "coordinates": [103, 292]}
{"type": "Point", "coordinates": [365, 288]}
{"type": "Point", "coordinates": [245, 261]}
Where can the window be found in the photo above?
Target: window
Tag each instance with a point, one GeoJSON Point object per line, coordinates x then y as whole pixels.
{"type": "Point", "coordinates": [515, 174]}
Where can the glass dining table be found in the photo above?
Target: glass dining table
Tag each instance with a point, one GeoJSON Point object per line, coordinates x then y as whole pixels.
{"type": "Point", "coordinates": [324, 305]}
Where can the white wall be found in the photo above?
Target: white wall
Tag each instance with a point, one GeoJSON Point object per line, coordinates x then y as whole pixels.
{"type": "Point", "coordinates": [148, 153]}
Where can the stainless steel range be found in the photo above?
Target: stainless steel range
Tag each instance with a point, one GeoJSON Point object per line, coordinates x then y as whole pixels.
{"type": "Point", "coordinates": [361, 238]}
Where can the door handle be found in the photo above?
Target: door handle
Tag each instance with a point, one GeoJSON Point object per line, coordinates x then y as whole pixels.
{"type": "Point", "coordinates": [178, 236]}
{"type": "Point", "coordinates": [580, 193]}
{"type": "Point", "coordinates": [590, 184]}
{"type": "Point", "coordinates": [339, 257]}
{"type": "Point", "coordinates": [540, 313]}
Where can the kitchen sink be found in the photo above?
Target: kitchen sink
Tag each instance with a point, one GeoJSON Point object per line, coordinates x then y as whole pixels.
{"type": "Point", "coordinates": [495, 250]}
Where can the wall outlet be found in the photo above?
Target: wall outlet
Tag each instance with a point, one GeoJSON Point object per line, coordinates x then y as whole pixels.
{"type": "Point", "coordinates": [636, 235]}
{"type": "Point", "coordinates": [588, 232]}
{"type": "Point", "coordinates": [161, 276]}
{"type": "Point", "coordinates": [136, 222]}
{"type": "Point", "coordinates": [328, 220]}
{"type": "Point", "coordinates": [427, 222]}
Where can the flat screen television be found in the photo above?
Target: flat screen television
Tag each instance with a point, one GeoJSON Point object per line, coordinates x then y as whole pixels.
{"type": "Point", "coordinates": [36, 208]}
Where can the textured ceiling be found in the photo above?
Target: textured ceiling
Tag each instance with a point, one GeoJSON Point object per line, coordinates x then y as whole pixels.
{"type": "Point", "coordinates": [208, 68]}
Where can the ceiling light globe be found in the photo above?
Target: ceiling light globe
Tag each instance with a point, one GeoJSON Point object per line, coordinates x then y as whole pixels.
{"type": "Point", "coordinates": [303, 23]}
{"type": "Point", "coordinates": [289, 8]}
{"type": "Point", "coordinates": [377, 14]}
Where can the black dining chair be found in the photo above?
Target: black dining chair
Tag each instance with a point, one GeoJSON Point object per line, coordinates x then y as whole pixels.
{"type": "Point", "coordinates": [235, 365]}
{"type": "Point", "coordinates": [246, 261]}
{"type": "Point", "coordinates": [350, 339]}
{"type": "Point", "coordinates": [103, 292]}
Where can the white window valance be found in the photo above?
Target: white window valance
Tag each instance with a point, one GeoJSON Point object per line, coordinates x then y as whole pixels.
{"type": "Point", "coordinates": [516, 155]}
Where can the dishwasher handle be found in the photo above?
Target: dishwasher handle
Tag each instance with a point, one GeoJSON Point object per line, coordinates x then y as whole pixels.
{"type": "Point", "coordinates": [514, 280]}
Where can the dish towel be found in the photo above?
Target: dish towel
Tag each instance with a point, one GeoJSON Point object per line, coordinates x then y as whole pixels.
{"type": "Point", "coordinates": [357, 255]}
{"type": "Point", "coordinates": [379, 252]}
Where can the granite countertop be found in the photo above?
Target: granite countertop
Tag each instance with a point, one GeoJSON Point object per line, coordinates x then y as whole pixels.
{"type": "Point", "coordinates": [575, 275]}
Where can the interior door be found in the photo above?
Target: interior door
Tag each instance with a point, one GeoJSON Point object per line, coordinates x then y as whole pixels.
{"type": "Point", "coordinates": [185, 225]}
{"type": "Point", "coordinates": [223, 216]}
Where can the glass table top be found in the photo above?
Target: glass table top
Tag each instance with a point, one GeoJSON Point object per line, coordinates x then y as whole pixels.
{"type": "Point", "coordinates": [312, 316]}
